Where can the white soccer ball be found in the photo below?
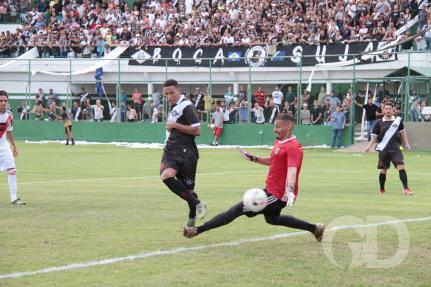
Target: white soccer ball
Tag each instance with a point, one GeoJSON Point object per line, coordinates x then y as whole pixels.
{"type": "Point", "coordinates": [212, 126]}
{"type": "Point", "coordinates": [255, 199]}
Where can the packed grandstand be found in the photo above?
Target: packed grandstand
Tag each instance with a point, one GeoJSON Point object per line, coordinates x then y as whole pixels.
{"type": "Point", "coordinates": [87, 27]}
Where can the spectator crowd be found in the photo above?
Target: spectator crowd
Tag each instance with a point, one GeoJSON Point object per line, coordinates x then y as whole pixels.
{"type": "Point", "coordinates": [84, 28]}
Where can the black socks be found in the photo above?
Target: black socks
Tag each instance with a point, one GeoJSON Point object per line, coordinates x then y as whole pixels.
{"type": "Point", "coordinates": [179, 189]}
{"type": "Point", "coordinates": [403, 177]}
{"type": "Point", "coordinates": [382, 180]}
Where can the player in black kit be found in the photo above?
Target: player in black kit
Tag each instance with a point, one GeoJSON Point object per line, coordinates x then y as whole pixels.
{"type": "Point", "coordinates": [180, 155]}
{"type": "Point", "coordinates": [388, 132]}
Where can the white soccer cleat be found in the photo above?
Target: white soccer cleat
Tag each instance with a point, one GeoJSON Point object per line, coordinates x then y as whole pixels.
{"type": "Point", "coordinates": [18, 202]}
{"type": "Point", "coordinates": [201, 210]}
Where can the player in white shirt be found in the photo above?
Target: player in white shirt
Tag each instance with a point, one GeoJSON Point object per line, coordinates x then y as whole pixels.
{"type": "Point", "coordinates": [7, 156]}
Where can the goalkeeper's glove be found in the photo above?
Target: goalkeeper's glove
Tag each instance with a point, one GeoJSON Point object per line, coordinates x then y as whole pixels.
{"type": "Point", "coordinates": [247, 155]}
{"type": "Point", "coordinates": [289, 197]}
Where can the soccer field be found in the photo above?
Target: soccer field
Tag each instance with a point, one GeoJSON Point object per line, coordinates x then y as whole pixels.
{"type": "Point", "coordinates": [91, 206]}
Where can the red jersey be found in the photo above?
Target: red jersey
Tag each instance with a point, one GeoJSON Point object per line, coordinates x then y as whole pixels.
{"type": "Point", "coordinates": [285, 154]}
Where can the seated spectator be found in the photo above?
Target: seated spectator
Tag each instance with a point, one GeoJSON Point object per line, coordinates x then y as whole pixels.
{"type": "Point", "coordinates": [24, 111]}
{"type": "Point", "coordinates": [130, 114]}
{"type": "Point", "coordinates": [38, 110]}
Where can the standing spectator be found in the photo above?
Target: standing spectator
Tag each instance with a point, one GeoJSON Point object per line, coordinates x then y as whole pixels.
{"type": "Point", "coordinates": [243, 111]}
{"type": "Point", "coordinates": [146, 111]}
{"type": "Point", "coordinates": [24, 111]}
{"type": "Point", "coordinates": [208, 99]}
{"type": "Point", "coordinates": [123, 98]}
{"type": "Point", "coordinates": [155, 96]}
{"type": "Point", "coordinates": [114, 112]}
{"type": "Point", "coordinates": [422, 17]}
{"type": "Point", "coordinates": [228, 96]}
{"type": "Point", "coordinates": [306, 97]}
{"type": "Point", "coordinates": [258, 113]}
{"type": "Point", "coordinates": [278, 98]}
{"type": "Point", "coordinates": [326, 113]}
{"type": "Point", "coordinates": [322, 96]}
{"type": "Point", "coordinates": [161, 114]}
{"type": "Point", "coordinates": [242, 96]}
{"type": "Point", "coordinates": [274, 109]}
{"type": "Point", "coordinates": [199, 102]}
{"type": "Point", "coordinates": [155, 115]}
{"type": "Point", "coordinates": [123, 111]}
{"type": "Point", "coordinates": [370, 115]}
{"type": "Point", "coordinates": [217, 120]}
{"type": "Point", "coordinates": [316, 113]}
{"type": "Point", "coordinates": [137, 103]}
{"type": "Point", "coordinates": [334, 101]}
{"type": "Point", "coordinates": [290, 95]}
{"type": "Point", "coordinates": [427, 35]}
{"type": "Point", "coordinates": [305, 115]}
{"type": "Point", "coordinates": [260, 97]}
{"type": "Point", "coordinates": [52, 97]}
{"type": "Point", "coordinates": [98, 111]}
{"type": "Point", "coordinates": [75, 108]}
{"type": "Point", "coordinates": [40, 97]}
{"type": "Point", "coordinates": [338, 119]}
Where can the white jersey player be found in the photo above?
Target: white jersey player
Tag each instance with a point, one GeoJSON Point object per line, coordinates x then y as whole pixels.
{"type": "Point", "coordinates": [7, 156]}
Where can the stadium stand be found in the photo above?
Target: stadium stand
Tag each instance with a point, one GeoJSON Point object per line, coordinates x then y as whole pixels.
{"type": "Point", "coordinates": [79, 28]}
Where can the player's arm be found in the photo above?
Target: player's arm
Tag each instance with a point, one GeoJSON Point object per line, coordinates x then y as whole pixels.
{"type": "Point", "coordinates": [289, 193]}
{"type": "Point", "coordinates": [374, 134]}
{"type": "Point", "coordinates": [403, 133]}
{"type": "Point", "coordinates": [11, 140]}
{"type": "Point", "coordinates": [193, 130]}
{"type": "Point", "coordinates": [259, 159]}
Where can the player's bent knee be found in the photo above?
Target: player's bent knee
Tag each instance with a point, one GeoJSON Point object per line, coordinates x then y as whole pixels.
{"type": "Point", "coordinates": [273, 220]}
{"type": "Point", "coordinates": [11, 171]}
{"type": "Point", "coordinates": [167, 173]}
{"type": "Point", "coordinates": [400, 167]}
{"type": "Point", "coordinates": [383, 171]}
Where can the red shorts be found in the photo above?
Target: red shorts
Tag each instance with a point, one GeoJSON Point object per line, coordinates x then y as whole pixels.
{"type": "Point", "coordinates": [218, 131]}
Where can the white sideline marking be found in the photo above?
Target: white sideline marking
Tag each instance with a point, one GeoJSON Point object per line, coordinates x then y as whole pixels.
{"type": "Point", "coordinates": [129, 178]}
{"type": "Point", "coordinates": [198, 174]}
{"type": "Point", "coordinates": [177, 250]}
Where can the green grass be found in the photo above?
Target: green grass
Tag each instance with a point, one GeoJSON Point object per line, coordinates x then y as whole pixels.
{"type": "Point", "coordinates": [96, 202]}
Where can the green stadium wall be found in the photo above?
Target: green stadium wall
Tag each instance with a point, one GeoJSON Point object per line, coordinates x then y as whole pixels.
{"type": "Point", "coordinates": [237, 134]}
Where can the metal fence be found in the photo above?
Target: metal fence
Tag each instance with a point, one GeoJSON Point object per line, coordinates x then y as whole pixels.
{"type": "Point", "coordinates": [409, 87]}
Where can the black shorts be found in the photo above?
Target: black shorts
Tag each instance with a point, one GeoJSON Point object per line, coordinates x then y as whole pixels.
{"type": "Point", "coordinates": [273, 208]}
{"type": "Point", "coordinates": [137, 107]}
{"type": "Point", "coordinates": [386, 157]}
{"type": "Point", "coordinates": [185, 163]}
{"type": "Point", "coordinates": [67, 131]}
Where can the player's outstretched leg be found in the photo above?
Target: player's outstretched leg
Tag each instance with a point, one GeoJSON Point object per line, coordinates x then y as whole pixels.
{"type": "Point", "coordinates": [219, 220]}
{"type": "Point", "coordinates": [293, 222]}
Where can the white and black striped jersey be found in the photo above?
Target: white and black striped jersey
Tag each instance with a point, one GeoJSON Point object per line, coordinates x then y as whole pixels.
{"type": "Point", "coordinates": [183, 113]}
{"type": "Point", "coordinates": [382, 126]}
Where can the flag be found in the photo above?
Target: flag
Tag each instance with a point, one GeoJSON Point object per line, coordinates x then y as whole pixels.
{"type": "Point", "coordinates": [98, 77]}
{"type": "Point", "coordinates": [278, 56]}
{"type": "Point", "coordinates": [234, 56]}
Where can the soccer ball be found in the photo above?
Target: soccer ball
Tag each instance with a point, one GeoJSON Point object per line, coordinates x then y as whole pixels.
{"type": "Point", "coordinates": [255, 199]}
{"type": "Point", "coordinates": [212, 126]}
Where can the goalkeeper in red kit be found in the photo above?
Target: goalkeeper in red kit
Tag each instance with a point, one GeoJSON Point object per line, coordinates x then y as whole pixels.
{"type": "Point", "coordinates": [281, 185]}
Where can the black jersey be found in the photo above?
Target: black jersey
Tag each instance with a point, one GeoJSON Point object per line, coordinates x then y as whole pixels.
{"type": "Point", "coordinates": [380, 129]}
{"type": "Point", "coordinates": [183, 113]}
